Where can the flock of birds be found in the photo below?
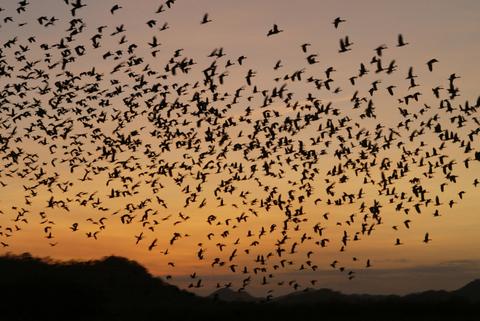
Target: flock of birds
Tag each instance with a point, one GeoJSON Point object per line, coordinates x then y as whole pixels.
{"type": "Point", "coordinates": [109, 142]}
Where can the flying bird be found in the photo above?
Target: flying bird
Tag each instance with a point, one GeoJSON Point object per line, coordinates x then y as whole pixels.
{"type": "Point", "coordinates": [430, 64]}
{"type": "Point", "coordinates": [337, 22]}
{"type": "Point", "coordinates": [273, 31]}
{"type": "Point", "coordinates": [205, 19]}
{"type": "Point", "coordinates": [401, 42]}
{"type": "Point", "coordinates": [115, 8]}
{"type": "Point", "coordinates": [426, 239]}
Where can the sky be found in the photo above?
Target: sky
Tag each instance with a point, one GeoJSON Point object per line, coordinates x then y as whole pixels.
{"type": "Point", "coordinates": [445, 30]}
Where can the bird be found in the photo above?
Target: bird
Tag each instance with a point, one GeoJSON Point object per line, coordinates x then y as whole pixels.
{"type": "Point", "coordinates": [345, 44]}
{"type": "Point", "coordinates": [273, 31]}
{"type": "Point", "coordinates": [77, 5]}
{"type": "Point", "coordinates": [205, 19]}
{"type": "Point", "coordinates": [401, 42]}
{"type": "Point", "coordinates": [426, 239]}
{"type": "Point", "coordinates": [390, 90]}
{"type": "Point", "coordinates": [154, 43]}
{"type": "Point", "coordinates": [115, 8]}
{"type": "Point", "coordinates": [152, 245]}
{"type": "Point", "coordinates": [379, 50]}
{"type": "Point", "coordinates": [151, 23]}
{"type": "Point", "coordinates": [337, 22]}
{"type": "Point", "coordinates": [160, 9]}
{"type": "Point", "coordinates": [139, 238]}
{"type": "Point", "coordinates": [312, 59]}
{"type": "Point", "coordinates": [430, 64]}
{"type": "Point", "coordinates": [305, 46]}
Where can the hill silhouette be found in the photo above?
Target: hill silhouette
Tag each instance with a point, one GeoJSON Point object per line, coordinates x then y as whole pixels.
{"type": "Point", "coordinates": [115, 288]}
{"type": "Point", "coordinates": [229, 295]}
{"type": "Point", "coordinates": [470, 291]}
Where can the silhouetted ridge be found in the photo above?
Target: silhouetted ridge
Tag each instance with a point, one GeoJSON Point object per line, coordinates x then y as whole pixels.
{"type": "Point", "coordinates": [115, 288]}
{"type": "Point", "coordinates": [111, 286]}
{"type": "Point", "coordinates": [229, 295]}
{"type": "Point", "coordinates": [470, 291]}
{"type": "Point", "coordinates": [311, 296]}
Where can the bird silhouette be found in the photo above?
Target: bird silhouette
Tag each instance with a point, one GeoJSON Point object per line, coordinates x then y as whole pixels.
{"type": "Point", "coordinates": [115, 8]}
{"type": "Point", "coordinates": [205, 19]}
{"type": "Point", "coordinates": [273, 31]}
{"type": "Point", "coordinates": [337, 22]}
{"type": "Point", "coordinates": [401, 42]}
{"type": "Point", "coordinates": [430, 64]}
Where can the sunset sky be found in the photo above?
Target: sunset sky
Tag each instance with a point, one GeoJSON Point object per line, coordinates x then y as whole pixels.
{"type": "Point", "coordinates": [445, 30]}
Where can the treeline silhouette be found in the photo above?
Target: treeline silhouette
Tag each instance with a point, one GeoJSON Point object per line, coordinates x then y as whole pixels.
{"type": "Point", "coordinates": [115, 288]}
